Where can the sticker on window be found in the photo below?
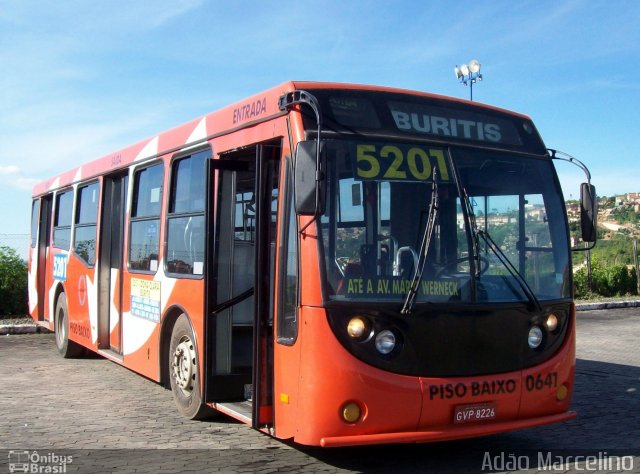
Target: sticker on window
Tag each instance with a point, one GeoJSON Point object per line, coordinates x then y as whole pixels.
{"type": "Point", "coordinates": [60, 267]}
{"type": "Point", "coordinates": [145, 299]}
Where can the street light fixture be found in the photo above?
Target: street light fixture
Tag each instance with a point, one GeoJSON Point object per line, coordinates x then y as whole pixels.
{"type": "Point", "coordinates": [468, 74]}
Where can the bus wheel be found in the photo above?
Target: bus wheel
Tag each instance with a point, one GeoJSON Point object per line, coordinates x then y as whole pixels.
{"type": "Point", "coordinates": [184, 372]}
{"type": "Point", "coordinates": [66, 348]}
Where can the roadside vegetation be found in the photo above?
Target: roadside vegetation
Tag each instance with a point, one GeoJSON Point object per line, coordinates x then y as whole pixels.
{"type": "Point", "coordinates": [612, 281]}
{"type": "Point", "coordinates": [613, 273]}
{"type": "Point", "coordinates": [13, 284]}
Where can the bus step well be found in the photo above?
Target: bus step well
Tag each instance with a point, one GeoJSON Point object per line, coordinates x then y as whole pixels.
{"type": "Point", "coordinates": [239, 410]}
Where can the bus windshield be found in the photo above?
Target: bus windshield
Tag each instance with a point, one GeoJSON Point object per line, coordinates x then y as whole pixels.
{"type": "Point", "coordinates": [378, 200]}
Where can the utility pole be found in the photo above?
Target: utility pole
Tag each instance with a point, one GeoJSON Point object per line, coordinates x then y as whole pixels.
{"type": "Point", "coordinates": [589, 279]}
{"type": "Point", "coordinates": [635, 263]}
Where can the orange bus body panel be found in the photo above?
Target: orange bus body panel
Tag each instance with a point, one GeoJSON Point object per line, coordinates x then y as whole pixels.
{"type": "Point", "coordinates": [432, 436]}
{"type": "Point", "coordinates": [398, 408]}
{"type": "Point", "coordinates": [222, 122]}
{"type": "Point", "coordinates": [315, 376]}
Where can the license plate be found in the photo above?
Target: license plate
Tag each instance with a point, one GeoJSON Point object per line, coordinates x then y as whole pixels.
{"type": "Point", "coordinates": [474, 413]}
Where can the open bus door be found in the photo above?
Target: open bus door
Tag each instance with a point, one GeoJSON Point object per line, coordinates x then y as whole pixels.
{"type": "Point", "coordinates": [44, 242]}
{"type": "Point", "coordinates": [240, 276]}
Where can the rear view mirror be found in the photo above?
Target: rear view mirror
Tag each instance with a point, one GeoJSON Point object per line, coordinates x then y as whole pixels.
{"type": "Point", "coordinates": [588, 212]}
{"type": "Point", "coordinates": [309, 185]}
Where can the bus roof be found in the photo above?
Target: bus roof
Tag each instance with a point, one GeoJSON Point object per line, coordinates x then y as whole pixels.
{"type": "Point", "coordinates": [254, 109]}
{"type": "Point", "coordinates": [301, 85]}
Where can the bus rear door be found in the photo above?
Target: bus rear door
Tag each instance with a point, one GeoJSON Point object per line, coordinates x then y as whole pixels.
{"type": "Point", "coordinates": [111, 258]}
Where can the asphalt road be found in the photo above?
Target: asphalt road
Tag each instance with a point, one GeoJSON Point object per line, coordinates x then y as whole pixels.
{"type": "Point", "coordinates": [91, 415]}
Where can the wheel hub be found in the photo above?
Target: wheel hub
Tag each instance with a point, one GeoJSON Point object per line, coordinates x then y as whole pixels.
{"type": "Point", "coordinates": [61, 335]}
{"type": "Point", "coordinates": [184, 365]}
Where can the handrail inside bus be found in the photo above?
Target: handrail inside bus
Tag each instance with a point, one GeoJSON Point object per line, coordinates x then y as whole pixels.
{"type": "Point", "coordinates": [233, 301]}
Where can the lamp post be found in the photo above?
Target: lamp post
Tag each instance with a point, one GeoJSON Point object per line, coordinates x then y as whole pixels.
{"type": "Point", "coordinates": [469, 74]}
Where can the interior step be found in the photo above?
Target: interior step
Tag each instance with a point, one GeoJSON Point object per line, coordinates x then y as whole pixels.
{"type": "Point", "coordinates": [239, 410]}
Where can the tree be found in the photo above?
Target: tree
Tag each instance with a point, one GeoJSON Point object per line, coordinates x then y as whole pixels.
{"type": "Point", "coordinates": [13, 282]}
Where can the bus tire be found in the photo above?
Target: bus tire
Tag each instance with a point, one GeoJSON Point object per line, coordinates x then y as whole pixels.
{"type": "Point", "coordinates": [66, 348]}
{"type": "Point", "coordinates": [184, 372]}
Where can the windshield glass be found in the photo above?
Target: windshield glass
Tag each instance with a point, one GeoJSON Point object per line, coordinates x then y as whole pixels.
{"type": "Point", "coordinates": [517, 203]}
{"type": "Point", "coordinates": [378, 199]}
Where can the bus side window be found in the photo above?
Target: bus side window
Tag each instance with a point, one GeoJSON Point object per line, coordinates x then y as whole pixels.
{"type": "Point", "coordinates": [84, 241]}
{"type": "Point", "coordinates": [288, 301]}
{"type": "Point", "coordinates": [35, 215]}
{"type": "Point", "coordinates": [62, 220]}
{"type": "Point", "coordinates": [185, 222]}
{"type": "Point", "coordinates": [144, 236]}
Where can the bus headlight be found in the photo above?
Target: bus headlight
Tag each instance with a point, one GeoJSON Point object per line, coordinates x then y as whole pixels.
{"type": "Point", "coordinates": [385, 341]}
{"type": "Point", "coordinates": [535, 337]}
{"type": "Point", "coordinates": [551, 322]}
{"type": "Point", "coordinates": [359, 328]}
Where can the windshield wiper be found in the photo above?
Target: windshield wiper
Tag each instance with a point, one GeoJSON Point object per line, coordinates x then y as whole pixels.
{"type": "Point", "coordinates": [526, 289]}
{"type": "Point", "coordinates": [524, 286]}
{"type": "Point", "coordinates": [476, 233]}
{"type": "Point", "coordinates": [465, 201]}
{"type": "Point", "coordinates": [424, 247]}
{"type": "Point", "coordinates": [474, 230]}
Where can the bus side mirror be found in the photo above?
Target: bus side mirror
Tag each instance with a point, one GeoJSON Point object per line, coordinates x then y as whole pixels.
{"type": "Point", "coordinates": [588, 212]}
{"type": "Point", "coordinates": [309, 180]}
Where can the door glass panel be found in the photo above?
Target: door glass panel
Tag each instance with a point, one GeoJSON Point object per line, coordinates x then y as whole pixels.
{"type": "Point", "coordinates": [35, 214]}
{"type": "Point", "coordinates": [244, 225]}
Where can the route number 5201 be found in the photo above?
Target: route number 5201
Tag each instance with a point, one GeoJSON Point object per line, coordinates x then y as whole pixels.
{"type": "Point", "coordinates": [399, 163]}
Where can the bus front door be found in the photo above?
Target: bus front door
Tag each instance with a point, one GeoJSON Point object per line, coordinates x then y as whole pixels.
{"type": "Point", "coordinates": [111, 258]}
{"type": "Point", "coordinates": [44, 241]}
{"type": "Point", "coordinates": [240, 307]}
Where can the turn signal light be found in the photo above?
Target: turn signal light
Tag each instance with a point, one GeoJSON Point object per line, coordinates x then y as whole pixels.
{"type": "Point", "coordinates": [562, 392]}
{"type": "Point", "coordinates": [351, 412]}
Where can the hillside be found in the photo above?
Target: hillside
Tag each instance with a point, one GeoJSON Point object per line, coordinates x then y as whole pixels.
{"type": "Point", "coordinates": [618, 226]}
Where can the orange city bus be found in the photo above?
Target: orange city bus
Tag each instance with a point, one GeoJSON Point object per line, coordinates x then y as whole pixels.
{"type": "Point", "coordinates": [332, 264]}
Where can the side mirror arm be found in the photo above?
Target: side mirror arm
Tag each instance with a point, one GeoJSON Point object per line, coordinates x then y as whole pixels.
{"type": "Point", "coordinates": [562, 156]}
{"type": "Point", "coordinates": [588, 200]}
{"type": "Point", "coordinates": [301, 97]}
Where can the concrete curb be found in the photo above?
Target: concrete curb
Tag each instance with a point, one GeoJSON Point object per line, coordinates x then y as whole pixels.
{"type": "Point", "coordinates": [608, 305]}
{"type": "Point", "coordinates": [10, 329]}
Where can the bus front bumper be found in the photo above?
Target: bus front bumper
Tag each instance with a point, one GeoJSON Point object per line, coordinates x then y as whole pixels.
{"type": "Point", "coordinates": [468, 431]}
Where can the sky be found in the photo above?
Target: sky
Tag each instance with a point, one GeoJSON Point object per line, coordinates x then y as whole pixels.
{"type": "Point", "coordinates": [80, 79]}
